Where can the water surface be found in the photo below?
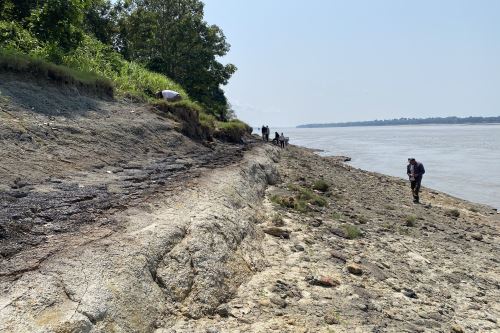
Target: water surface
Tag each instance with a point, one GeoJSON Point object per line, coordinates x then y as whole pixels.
{"type": "Point", "coordinates": [462, 160]}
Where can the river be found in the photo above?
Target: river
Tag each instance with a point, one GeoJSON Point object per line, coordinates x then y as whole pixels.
{"type": "Point", "coordinates": [461, 160]}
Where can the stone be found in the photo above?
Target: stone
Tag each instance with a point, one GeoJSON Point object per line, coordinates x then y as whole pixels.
{"type": "Point", "coordinates": [277, 232]}
{"type": "Point", "coordinates": [323, 281]}
{"type": "Point", "coordinates": [457, 329]}
{"type": "Point", "coordinates": [278, 301]}
{"type": "Point", "coordinates": [316, 222]}
{"type": "Point", "coordinates": [212, 330]}
{"type": "Point", "coordinates": [354, 269]}
{"type": "Point", "coordinates": [409, 293]}
{"type": "Point", "coordinates": [223, 310]}
{"type": "Point", "coordinates": [298, 247]}
{"type": "Point", "coordinates": [339, 256]}
{"type": "Point", "coordinates": [477, 236]}
{"type": "Point", "coordinates": [331, 318]}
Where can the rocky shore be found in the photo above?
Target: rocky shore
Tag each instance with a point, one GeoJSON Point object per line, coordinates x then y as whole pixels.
{"type": "Point", "coordinates": [347, 251]}
{"type": "Point", "coordinates": [113, 221]}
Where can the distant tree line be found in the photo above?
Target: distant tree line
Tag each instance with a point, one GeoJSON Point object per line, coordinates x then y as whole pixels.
{"type": "Point", "coordinates": [410, 121]}
{"type": "Point", "coordinates": [169, 37]}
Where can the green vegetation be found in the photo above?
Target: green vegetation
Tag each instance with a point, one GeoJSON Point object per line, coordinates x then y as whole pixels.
{"type": "Point", "coordinates": [13, 61]}
{"type": "Point", "coordinates": [453, 212]}
{"type": "Point", "coordinates": [474, 209]}
{"type": "Point", "coordinates": [337, 215]}
{"type": "Point", "coordinates": [302, 199]}
{"type": "Point", "coordinates": [410, 121]}
{"type": "Point", "coordinates": [352, 231]}
{"type": "Point", "coordinates": [231, 130]}
{"type": "Point", "coordinates": [277, 220]}
{"type": "Point", "coordinates": [133, 48]}
{"type": "Point", "coordinates": [307, 195]}
{"type": "Point", "coordinates": [411, 220]}
{"type": "Point", "coordinates": [321, 185]}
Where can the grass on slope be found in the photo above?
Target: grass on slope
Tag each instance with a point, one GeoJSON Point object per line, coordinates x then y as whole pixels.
{"type": "Point", "coordinates": [11, 61]}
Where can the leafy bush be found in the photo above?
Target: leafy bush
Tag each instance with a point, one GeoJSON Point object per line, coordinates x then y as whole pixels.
{"type": "Point", "coordinates": [337, 215]}
{"type": "Point", "coordinates": [321, 185]}
{"type": "Point", "coordinates": [14, 37]}
{"type": "Point", "coordinates": [411, 220]}
{"type": "Point", "coordinates": [311, 197]}
{"type": "Point", "coordinates": [232, 131]}
{"type": "Point", "coordinates": [352, 231]}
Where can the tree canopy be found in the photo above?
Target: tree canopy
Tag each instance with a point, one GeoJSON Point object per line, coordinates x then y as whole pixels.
{"type": "Point", "coordinates": [169, 37]}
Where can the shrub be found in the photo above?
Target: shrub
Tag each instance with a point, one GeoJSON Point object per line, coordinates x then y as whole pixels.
{"type": "Point", "coordinates": [277, 220]}
{"type": "Point", "coordinates": [321, 185]}
{"type": "Point", "coordinates": [352, 231]}
{"type": "Point", "coordinates": [337, 215]}
{"type": "Point", "coordinates": [411, 220]}
{"type": "Point", "coordinates": [14, 37]}
{"type": "Point", "coordinates": [232, 131]}
{"type": "Point", "coordinates": [130, 78]}
{"type": "Point", "coordinates": [301, 206]}
{"type": "Point", "coordinates": [453, 213]}
{"type": "Point", "coordinates": [311, 197]}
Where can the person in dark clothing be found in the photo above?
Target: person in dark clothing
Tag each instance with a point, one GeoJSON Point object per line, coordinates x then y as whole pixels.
{"type": "Point", "coordinates": [263, 130]}
{"type": "Point", "coordinates": [276, 139]}
{"type": "Point", "coordinates": [415, 170]}
{"type": "Point", "coordinates": [267, 133]}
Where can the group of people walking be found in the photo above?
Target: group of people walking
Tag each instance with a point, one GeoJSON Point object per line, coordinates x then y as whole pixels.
{"type": "Point", "coordinates": [279, 139]}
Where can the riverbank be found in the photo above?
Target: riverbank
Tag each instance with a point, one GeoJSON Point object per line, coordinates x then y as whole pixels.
{"type": "Point", "coordinates": [356, 255]}
{"type": "Point", "coordinates": [471, 149]}
{"type": "Point", "coordinates": [273, 241]}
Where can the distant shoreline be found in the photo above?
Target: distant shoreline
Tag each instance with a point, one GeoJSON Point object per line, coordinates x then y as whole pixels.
{"type": "Point", "coordinates": [406, 121]}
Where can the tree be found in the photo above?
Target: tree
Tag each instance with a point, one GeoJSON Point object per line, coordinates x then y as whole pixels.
{"type": "Point", "coordinates": [171, 37]}
{"type": "Point", "coordinates": [59, 22]}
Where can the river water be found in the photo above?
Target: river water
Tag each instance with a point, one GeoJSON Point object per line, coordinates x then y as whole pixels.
{"type": "Point", "coordinates": [461, 160]}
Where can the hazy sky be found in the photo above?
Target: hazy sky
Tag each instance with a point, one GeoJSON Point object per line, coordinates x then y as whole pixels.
{"type": "Point", "coordinates": [331, 61]}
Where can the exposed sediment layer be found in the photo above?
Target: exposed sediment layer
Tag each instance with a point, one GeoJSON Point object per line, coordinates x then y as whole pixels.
{"type": "Point", "coordinates": [182, 255]}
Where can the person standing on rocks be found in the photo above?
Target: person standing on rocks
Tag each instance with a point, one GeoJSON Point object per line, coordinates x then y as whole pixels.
{"type": "Point", "coordinates": [282, 140]}
{"type": "Point", "coordinates": [415, 170]}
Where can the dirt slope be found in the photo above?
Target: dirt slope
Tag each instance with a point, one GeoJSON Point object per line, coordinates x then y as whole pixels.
{"type": "Point", "coordinates": [69, 161]}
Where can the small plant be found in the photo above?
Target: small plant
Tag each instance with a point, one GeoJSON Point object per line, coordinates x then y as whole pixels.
{"type": "Point", "coordinates": [301, 206]}
{"type": "Point", "coordinates": [337, 215]}
{"type": "Point", "coordinates": [474, 209]}
{"type": "Point", "coordinates": [352, 231]}
{"type": "Point", "coordinates": [320, 185]}
{"type": "Point", "coordinates": [411, 220]}
{"type": "Point", "coordinates": [287, 202]}
{"type": "Point", "coordinates": [363, 220]}
{"type": "Point", "coordinates": [277, 220]}
{"type": "Point", "coordinates": [453, 213]}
